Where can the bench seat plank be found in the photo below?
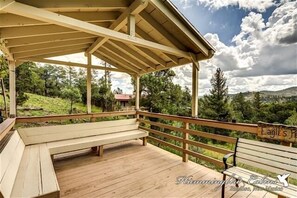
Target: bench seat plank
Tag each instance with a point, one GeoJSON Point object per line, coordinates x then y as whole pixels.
{"type": "Point", "coordinates": [10, 168]}
{"type": "Point", "coordinates": [37, 135]}
{"type": "Point", "coordinates": [36, 175]}
{"type": "Point", "coordinates": [88, 142]}
{"type": "Point", "coordinates": [245, 175]}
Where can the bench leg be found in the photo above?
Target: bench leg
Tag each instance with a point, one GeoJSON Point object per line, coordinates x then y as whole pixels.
{"type": "Point", "coordinates": [100, 151]}
{"type": "Point", "coordinates": [223, 186]}
{"type": "Point", "coordinates": [94, 149]}
{"type": "Point", "coordinates": [144, 141]}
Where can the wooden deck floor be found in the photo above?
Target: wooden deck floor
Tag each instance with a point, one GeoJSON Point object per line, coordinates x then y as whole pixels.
{"type": "Point", "coordinates": [132, 170]}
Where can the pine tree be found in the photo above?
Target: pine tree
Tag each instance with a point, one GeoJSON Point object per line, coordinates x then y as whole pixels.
{"type": "Point", "coordinates": [216, 103]}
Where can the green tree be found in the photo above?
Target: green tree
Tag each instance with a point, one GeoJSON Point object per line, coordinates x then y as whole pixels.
{"type": "Point", "coordinates": [53, 77]}
{"type": "Point", "coordinates": [216, 103]}
{"type": "Point", "coordinates": [72, 94]}
{"type": "Point", "coordinates": [105, 98]}
{"type": "Point", "coordinates": [242, 108]}
{"type": "Point", "coordinates": [292, 120]}
{"type": "Point", "coordinates": [161, 95]}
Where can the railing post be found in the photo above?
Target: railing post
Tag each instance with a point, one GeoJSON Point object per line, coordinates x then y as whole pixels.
{"type": "Point", "coordinates": [185, 145]}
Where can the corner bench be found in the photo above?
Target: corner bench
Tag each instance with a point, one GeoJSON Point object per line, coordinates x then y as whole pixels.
{"type": "Point", "coordinates": [26, 162]}
{"type": "Point", "coordinates": [277, 159]}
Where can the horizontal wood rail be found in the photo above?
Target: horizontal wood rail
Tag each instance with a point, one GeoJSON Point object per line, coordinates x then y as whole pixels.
{"type": "Point", "coordinates": [250, 128]}
{"type": "Point", "coordinates": [185, 143]}
{"type": "Point", "coordinates": [192, 132]}
{"type": "Point", "coordinates": [73, 116]}
{"type": "Point", "coordinates": [5, 127]}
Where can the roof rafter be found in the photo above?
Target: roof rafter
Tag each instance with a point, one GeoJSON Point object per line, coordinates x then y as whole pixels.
{"type": "Point", "coordinates": [112, 62]}
{"type": "Point", "coordinates": [35, 47]}
{"type": "Point", "coordinates": [133, 53]}
{"type": "Point", "coordinates": [50, 17]}
{"type": "Point", "coordinates": [136, 7]}
{"type": "Point", "coordinates": [47, 51]}
{"type": "Point", "coordinates": [116, 57]}
{"type": "Point", "coordinates": [31, 31]}
{"type": "Point", "coordinates": [159, 28]}
{"type": "Point", "coordinates": [56, 62]}
{"type": "Point", "coordinates": [160, 6]}
{"type": "Point", "coordinates": [127, 55]}
{"type": "Point", "coordinates": [78, 4]}
{"type": "Point", "coordinates": [28, 41]}
{"type": "Point", "coordinates": [146, 36]}
{"type": "Point", "coordinates": [12, 20]}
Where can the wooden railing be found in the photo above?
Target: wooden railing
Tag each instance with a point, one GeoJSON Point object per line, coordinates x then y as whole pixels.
{"type": "Point", "coordinates": [5, 127]}
{"type": "Point", "coordinates": [184, 140]}
{"type": "Point", "coordinates": [37, 119]}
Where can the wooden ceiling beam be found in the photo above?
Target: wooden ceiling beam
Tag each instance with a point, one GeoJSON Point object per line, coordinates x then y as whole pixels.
{"type": "Point", "coordinates": [161, 30]}
{"type": "Point", "coordinates": [146, 36]}
{"type": "Point", "coordinates": [17, 42]}
{"type": "Point", "coordinates": [126, 54]}
{"type": "Point", "coordinates": [78, 4]}
{"type": "Point", "coordinates": [47, 51]}
{"type": "Point", "coordinates": [50, 17]}
{"type": "Point", "coordinates": [72, 64]}
{"type": "Point", "coordinates": [118, 58]}
{"type": "Point", "coordinates": [136, 7]}
{"type": "Point", "coordinates": [12, 20]}
{"type": "Point", "coordinates": [32, 31]}
{"type": "Point", "coordinates": [37, 47]}
{"type": "Point", "coordinates": [112, 62]}
{"type": "Point", "coordinates": [63, 53]}
{"type": "Point", "coordinates": [163, 9]}
{"type": "Point", "coordinates": [133, 52]}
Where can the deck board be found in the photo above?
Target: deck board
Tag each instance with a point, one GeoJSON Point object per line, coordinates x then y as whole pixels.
{"type": "Point", "coordinates": [132, 170]}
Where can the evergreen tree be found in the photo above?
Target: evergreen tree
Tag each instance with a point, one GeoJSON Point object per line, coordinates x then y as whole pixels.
{"type": "Point", "coordinates": [216, 103]}
{"type": "Point", "coordinates": [242, 108]}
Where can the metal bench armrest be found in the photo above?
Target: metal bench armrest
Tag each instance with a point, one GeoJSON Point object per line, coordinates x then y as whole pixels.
{"type": "Point", "coordinates": [225, 158]}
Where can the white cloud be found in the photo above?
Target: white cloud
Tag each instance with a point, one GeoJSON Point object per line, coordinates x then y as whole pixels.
{"type": "Point", "coordinates": [259, 5]}
{"type": "Point", "coordinates": [263, 57]}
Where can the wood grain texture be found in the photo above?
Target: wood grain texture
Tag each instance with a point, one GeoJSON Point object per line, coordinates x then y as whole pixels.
{"type": "Point", "coordinates": [132, 170]}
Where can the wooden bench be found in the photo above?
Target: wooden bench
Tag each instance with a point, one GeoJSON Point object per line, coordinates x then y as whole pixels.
{"type": "Point", "coordinates": [61, 139]}
{"type": "Point", "coordinates": [26, 171]}
{"type": "Point", "coordinates": [29, 172]}
{"type": "Point", "coordinates": [277, 159]}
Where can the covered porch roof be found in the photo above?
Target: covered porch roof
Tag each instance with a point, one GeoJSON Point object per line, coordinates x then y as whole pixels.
{"type": "Point", "coordinates": [135, 37]}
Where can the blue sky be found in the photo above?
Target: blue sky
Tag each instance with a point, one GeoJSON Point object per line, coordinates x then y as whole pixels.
{"type": "Point", "coordinates": [255, 41]}
{"type": "Point", "coordinates": [224, 21]}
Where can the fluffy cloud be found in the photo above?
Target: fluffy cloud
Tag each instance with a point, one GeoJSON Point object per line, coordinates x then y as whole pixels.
{"type": "Point", "coordinates": [259, 5]}
{"type": "Point", "coordinates": [263, 55]}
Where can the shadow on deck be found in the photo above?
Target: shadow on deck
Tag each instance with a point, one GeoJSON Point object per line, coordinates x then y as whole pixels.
{"type": "Point", "coordinates": [132, 170]}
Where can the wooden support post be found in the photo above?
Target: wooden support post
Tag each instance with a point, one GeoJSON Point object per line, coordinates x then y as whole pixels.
{"type": "Point", "coordinates": [195, 79]}
{"type": "Point", "coordinates": [185, 145]}
{"type": "Point", "coordinates": [131, 25]}
{"type": "Point", "coordinates": [100, 151]}
{"type": "Point", "coordinates": [12, 90]}
{"type": "Point", "coordinates": [144, 141]}
{"type": "Point", "coordinates": [89, 84]}
{"type": "Point", "coordinates": [137, 94]}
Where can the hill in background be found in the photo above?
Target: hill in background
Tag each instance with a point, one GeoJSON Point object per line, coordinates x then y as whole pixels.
{"type": "Point", "coordinates": [284, 94]}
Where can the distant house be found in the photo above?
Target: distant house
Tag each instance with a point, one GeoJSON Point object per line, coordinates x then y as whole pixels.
{"type": "Point", "coordinates": [123, 99]}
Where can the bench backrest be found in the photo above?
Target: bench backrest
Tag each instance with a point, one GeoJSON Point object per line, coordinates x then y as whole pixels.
{"type": "Point", "coordinates": [39, 135]}
{"type": "Point", "coordinates": [270, 157]}
{"type": "Point", "coordinates": [10, 158]}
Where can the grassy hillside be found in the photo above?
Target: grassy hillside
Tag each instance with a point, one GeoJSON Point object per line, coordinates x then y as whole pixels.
{"type": "Point", "coordinates": [49, 106]}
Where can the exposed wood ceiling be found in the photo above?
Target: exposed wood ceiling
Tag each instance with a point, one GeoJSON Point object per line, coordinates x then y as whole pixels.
{"type": "Point", "coordinates": [161, 37]}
